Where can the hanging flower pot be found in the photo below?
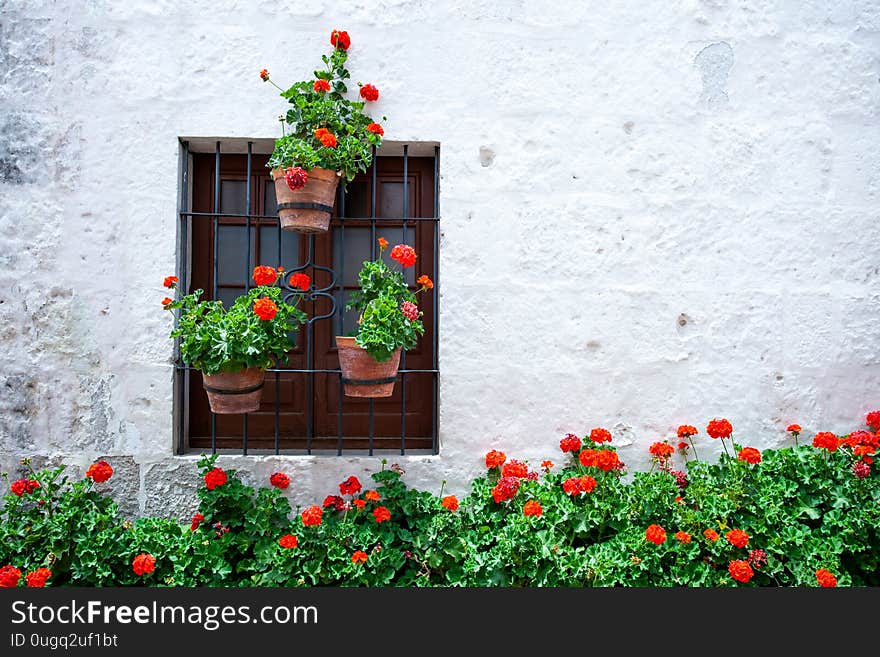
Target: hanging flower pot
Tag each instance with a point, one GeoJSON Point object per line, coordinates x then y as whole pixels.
{"type": "Point", "coordinates": [305, 199]}
{"type": "Point", "coordinates": [362, 374]}
{"type": "Point", "coordinates": [235, 392]}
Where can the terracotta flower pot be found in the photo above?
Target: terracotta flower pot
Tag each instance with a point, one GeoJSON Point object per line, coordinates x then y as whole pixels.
{"type": "Point", "coordinates": [363, 375]}
{"type": "Point", "coordinates": [235, 392]}
{"type": "Point", "coordinates": [306, 210]}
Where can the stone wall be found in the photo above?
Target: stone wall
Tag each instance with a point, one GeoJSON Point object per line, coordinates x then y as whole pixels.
{"type": "Point", "coordinates": [652, 213]}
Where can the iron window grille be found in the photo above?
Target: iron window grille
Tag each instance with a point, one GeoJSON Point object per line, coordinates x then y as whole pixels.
{"type": "Point", "coordinates": [331, 293]}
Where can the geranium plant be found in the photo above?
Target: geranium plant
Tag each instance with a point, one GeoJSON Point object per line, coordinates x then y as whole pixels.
{"type": "Point", "coordinates": [251, 332]}
{"type": "Point", "coordinates": [389, 317]}
{"type": "Point", "coordinates": [322, 128]}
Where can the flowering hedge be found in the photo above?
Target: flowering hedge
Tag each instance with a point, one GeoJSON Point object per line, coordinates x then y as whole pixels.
{"type": "Point", "coordinates": [805, 515]}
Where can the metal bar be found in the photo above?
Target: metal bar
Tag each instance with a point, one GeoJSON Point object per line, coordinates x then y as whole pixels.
{"type": "Point", "coordinates": [247, 270]}
{"type": "Point", "coordinates": [275, 216]}
{"type": "Point", "coordinates": [316, 371]}
{"type": "Point", "coordinates": [373, 249]}
{"type": "Point", "coordinates": [341, 311]}
{"type": "Point", "coordinates": [435, 342]}
{"type": "Point", "coordinates": [182, 377]}
{"type": "Point", "coordinates": [310, 363]}
{"type": "Point", "coordinates": [278, 373]}
{"type": "Point", "coordinates": [371, 426]}
{"type": "Point", "coordinates": [216, 208]}
{"type": "Point", "coordinates": [403, 355]}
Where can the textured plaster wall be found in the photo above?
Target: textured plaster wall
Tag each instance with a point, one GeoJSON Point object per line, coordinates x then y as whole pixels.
{"type": "Point", "coordinates": [652, 213]}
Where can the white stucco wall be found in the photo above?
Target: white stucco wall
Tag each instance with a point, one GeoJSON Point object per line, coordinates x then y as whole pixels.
{"type": "Point", "coordinates": [653, 213]}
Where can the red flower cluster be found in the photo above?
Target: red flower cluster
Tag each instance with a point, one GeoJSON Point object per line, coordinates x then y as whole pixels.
{"type": "Point", "coordinates": [37, 579]}
{"type": "Point", "coordinates": [299, 281]}
{"type": "Point", "coordinates": [578, 485]}
{"type": "Point", "coordinates": [327, 138]}
{"type": "Point", "coordinates": [381, 514]}
{"type": "Point", "coordinates": [450, 502]}
{"type": "Point", "coordinates": [296, 178]}
{"type": "Point", "coordinates": [99, 472]}
{"type": "Point", "coordinates": [334, 501]}
{"type": "Point", "coordinates": [312, 516]}
{"type": "Point", "coordinates": [600, 435]}
{"type": "Point", "coordinates": [288, 541]}
{"type": "Point", "coordinates": [570, 443]}
{"type": "Point", "coordinates": [794, 428]}
{"type": "Point", "coordinates": [683, 446]}
{"type": "Point", "coordinates": [872, 419]}
{"type": "Point", "coordinates": [197, 520]}
{"type": "Point", "coordinates": [655, 534]}
{"type": "Point", "coordinates": [410, 310]}
{"type": "Point", "coordinates": [170, 281]}
{"type": "Point", "coordinates": [749, 455]}
{"type": "Point", "coordinates": [404, 254]}
{"type": "Point", "coordinates": [425, 281]}
{"type": "Point", "coordinates": [661, 450]}
{"type": "Point", "coordinates": [264, 275]}
{"type": "Point", "coordinates": [757, 559]}
{"type": "Point", "coordinates": [143, 564]}
{"type": "Point", "coordinates": [279, 480]}
{"type": "Point", "coordinates": [359, 557]}
{"type": "Point", "coordinates": [350, 486]}
{"type": "Point", "coordinates": [214, 478]}
{"type": "Point", "coordinates": [861, 470]}
{"type": "Point", "coordinates": [321, 86]}
{"type": "Point", "coordinates": [516, 469]}
{"type": "Point", "coordinates": [21, 487]}
{"type": "Point", "coordinates": [737, 538]}
{"type": "Point", "coordinates": [264, 75]}
{"type": "Point", "coordinates": [825, 578]}
{"type": "Point", "coordinates": [719, 428]}
{"type": "Point", "coordinates": [681, 478]}
{"type": "Point", "coordinates": [826, 440]}
{"type": "Point", "coordinates": [711, 535]}
{"type": "Point", "coordinates": [741, 571]}
{"type": "Point", "coordinates": [532, 508]}
{"type": "Point", "coordinates": [167, 300]}
{"type": "Point", "coordinates": [604, 459]}
{"type": "Point", "coordinates": [682, 537]}
{"type": "Point", "coordinates": [376, 129]}
{"type": "Point", "coordinates": [686, 430]}
{"type": "Point", "coordinates": [359, 503]}
{"type": "Point", "coordinates": [495, 459]}
{"type": "Point", "coordinates": [369, 93]}
{"type": "Point", "coordinates": [265, 308]}
{"type": "Point", "coordinates": [505, 489]}
{"type": "Point", "coordinates": [372, 495]}
{"type": "Point", "coordinates": [340, 40]}
{"type": "Point", "coordinates": [9, 576]}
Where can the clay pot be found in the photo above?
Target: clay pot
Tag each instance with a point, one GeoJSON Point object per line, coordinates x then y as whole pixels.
{"type": "Point", "coordinates": [306, 210]}
{"type": "Point", "coordinates": [363, 375]}
{"type": "Point", "coordinates": [235, 392]}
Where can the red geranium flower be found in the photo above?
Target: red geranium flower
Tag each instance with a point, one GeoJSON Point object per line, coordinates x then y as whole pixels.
{"type": "Point", "coordinates": [656, 534]}
{"type": "Point", "coordinates": [376, 129]}
{"type": "Point", "coordinates": [516, 469]}
{"type": "Point", "coordinates": [450, 502]}
{"type": "Point", "coordinates": [99, 472]}
{"type": "Point", "coordinates": [826, 440]}
{"type": "Point", "coordinates": [425, 281]}
{"type": "Point", "coordinates": [794, 428]}
{"type": "Point", "coordinates": [826, 578]}
{"type": "Point", "coordinates": [683, 446]}
{"type": "Point", "coordinates": [20, 487]}
{"type": "Point", "coordinates": [214, 478]}
{"type": "Point", "coordinates": [872, 419]}
{"type": "Point", "coordinates": [711, 535]}
{"type": "Point", "coordinates": [334, 501]}
{"type": "Point", "coordinates": [143, 564]}
{"type": "Point", "coordinates": [360, 504]}
{"type": "Point", "coordinates": [37, 579]}
{"type": "Point", "coordinates": [296, 178]}
{"type": "Point", "coordinates": [682, 537]}
{"type": "Point", "coordinates": [264, 75]}
{"type": "Point", "coordinates": [577, 485]}
{"type": "Point", "coordinates": [546, 465]}
{"type": "Point", "coordinates": [372, 495]}
{"type": "Point", "coordinates": [719, 428]}
{"type": "Point", "coordinates": [737, 538]}
{"type": "Point", "coordinates": [661, 450]}
{"type": "Point", "coordinates": [686, 430]}
{"type": "Point", "coordinates": [321, 86]}
{"type": "Point", "coordinates": [383, 243]}
{"type": "Point", "coordinates": [265, 308]}
{"type": "Point", "coordinates": [369, 93]}
{"type": "Point", "coordinates": [749, 455]}
{"type": "Point", "coordinates": [381, 514]}
{"type": "Point", "coordinates": [167, 300]}
{"type": "Point", "coordinates": [532, 508]}
{"type": "Point", "coordinates": [170, 281]}
{"type": "Point", "coordinates": [299, 281]}
{"type": "Point", "coordinates": [196, 521]}
{"type": "Point", "coordinates": [588, 458]}
{"type": "Point", "coordinates": [741, 571]}
{"type": "Point", "coordinates": [505, 489]}
{"type": "Point", "coordinates": [327, 138]}
{"type": "Point", "coordinates": [340, 39]}
{"type": "Point", "coordinates": [757, 559]}
{"type": "Point", "coordinates": [288, 541]}
{"type": "Point", "coordinates": [570, 443]}
{"type": "Point", "coordinates": [861, 470]}
{"type": "Point", "coordinates": [312, 516]}
{"type": "Point", "coordinates": [600, 435]}
{"type": "Point", "coordinates": [404, 254]}
{"type": "Point", "coordinates": [350, 486]}
{"type": "Point", "coordinates": [359, 557]}
{"type": "Point", "coordinates": [607, 460]}
{"type": "Point", "coordinates": [279, 480]}
{"type": "Point", "coordinates": [495, 459]}
{"type": "Point", "coordinates": [410, 310]}
{"type": "Point", "coordinates": [9, 576]}
{"type": "Point", "coordinates": [264, 275]}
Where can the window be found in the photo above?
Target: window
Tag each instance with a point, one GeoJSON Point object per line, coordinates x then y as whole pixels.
{"type": "Point", "coordinates": [230, 225]}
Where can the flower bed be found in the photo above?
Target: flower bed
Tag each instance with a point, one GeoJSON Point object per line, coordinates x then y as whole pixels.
{"type": "Point", "coordinates": [806, 515]}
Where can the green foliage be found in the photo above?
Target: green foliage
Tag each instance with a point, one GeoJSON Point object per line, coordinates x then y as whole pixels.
{"type": "Point", "coordinates": [803, 507]}
{"type": "Point", "coordinates": [215, 339]}
{"type": "Point", "coordinates": [310, 110]}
